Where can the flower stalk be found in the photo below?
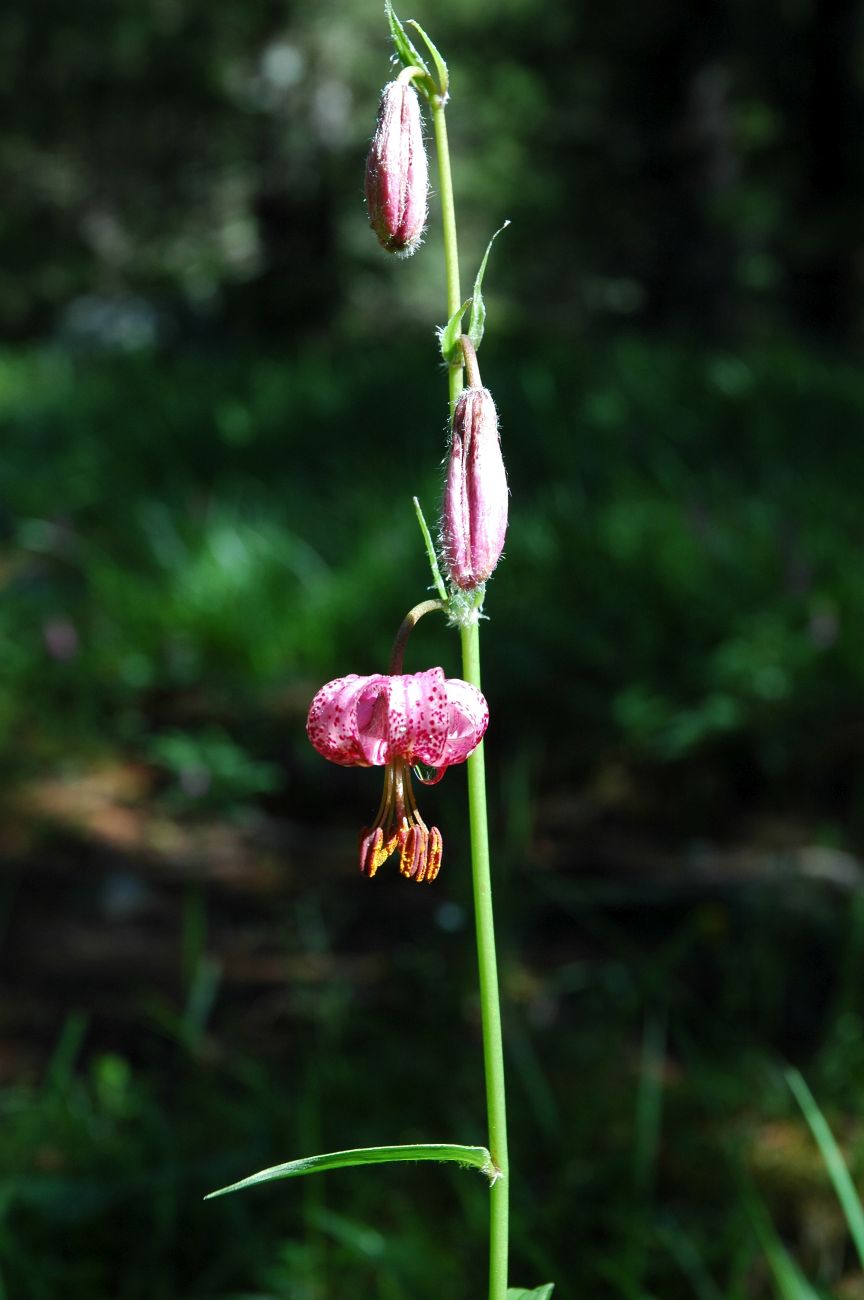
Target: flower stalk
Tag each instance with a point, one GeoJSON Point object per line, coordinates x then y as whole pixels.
{"type": "Point", "coordinates": [490, 1000]}
{"type": "Point", "coordinates": [469, 354]}
{"type": "Point", "coordinates": [407, 626]}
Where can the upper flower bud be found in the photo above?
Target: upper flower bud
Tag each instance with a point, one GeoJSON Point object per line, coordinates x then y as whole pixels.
{"type": "Point", "coordinates": [474, 521]}
{"type": "Point", "coordinates": [397, 173]}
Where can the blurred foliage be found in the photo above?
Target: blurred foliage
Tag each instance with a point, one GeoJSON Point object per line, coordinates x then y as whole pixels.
{"type": "Point", "coordinates": [227, 536]}
{"type": "Point", "coordinates": [688, 167]}
{"type": "Point", "coordinates": [201, 518]}
{"type": "Point", "coordinates": [649, 1115]}
{"type": "Point", "coordinates": [210, 770]}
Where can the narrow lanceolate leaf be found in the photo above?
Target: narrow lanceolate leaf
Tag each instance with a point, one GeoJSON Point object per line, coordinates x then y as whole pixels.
{"type": "Point", "coordinates": [469, 1157]}
{"type": "Point", "coordinates": [477, 319]}
{"type": "Point", "coordinates": [449, 336]}
{"type": "Point", "coordinates": [406, 52]}
{"type": "Point", "coordinates": [440, 65]}
{"type": "Point", "coordinates": [539, 1292]}
{"type": "Point", "coordinates": [836, 1166]}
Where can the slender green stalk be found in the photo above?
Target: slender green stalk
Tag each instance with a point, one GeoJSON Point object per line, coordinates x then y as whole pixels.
{"type": "Point", "coordinates": [490, 1002]}
{"type": "Point", "coordinates": [448, 221]}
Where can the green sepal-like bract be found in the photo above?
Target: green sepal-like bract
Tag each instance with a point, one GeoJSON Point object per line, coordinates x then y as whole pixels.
{"type": "Point", "coordinates": [408, 54]}
{"type": "Point", "coordinates": [437, 59]}
{"type": "Point", "coordinates": [437, 580]}
{"type": "Point", "coordinates": [449, 336]}
{"type": "Point", "coordinates": [477, 319]}
{"type": "Point", "coordinates": [539, 1292]}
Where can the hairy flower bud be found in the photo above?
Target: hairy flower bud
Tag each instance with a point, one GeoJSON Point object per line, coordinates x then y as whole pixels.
{"type": "Point", "coordinates": [397, 173]}
{"type": "Point", "coordinates": [474, 519]}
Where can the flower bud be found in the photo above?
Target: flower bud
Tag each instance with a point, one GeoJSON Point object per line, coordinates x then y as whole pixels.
{"type": "Point", "coordinates": [397, 173]}
{"type": "Point", "coordinates": [474, 519]}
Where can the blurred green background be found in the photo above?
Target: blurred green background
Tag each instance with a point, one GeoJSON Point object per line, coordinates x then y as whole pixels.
{"type": "Point", "coordinates": [217, 398]}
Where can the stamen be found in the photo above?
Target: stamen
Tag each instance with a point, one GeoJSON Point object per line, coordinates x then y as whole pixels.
{"type": "Point", "coordinates": [436, 849]}
{"type": "Point", "coordinates": [374, 850]}
{"type": "Point", "coordinates": [398, 824]}
{"type": "Point", "coordinates": [412, 856]}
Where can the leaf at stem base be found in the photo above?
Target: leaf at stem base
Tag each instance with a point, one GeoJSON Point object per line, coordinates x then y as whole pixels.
{"type": "Point", "coordinates": [539, 1292]}
{"type": "Point", "coordinates": [469, 1157]}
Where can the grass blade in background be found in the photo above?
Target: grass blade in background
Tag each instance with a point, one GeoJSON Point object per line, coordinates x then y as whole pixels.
{"type": "Point", "coordinates": [790, 1281]}
{"type": "Point", "coordinates": [470, 1157]}
{"type": "Point", "coordinates": [689, 1260]}
{"type": "Point", "coordinates": [838, 1170]}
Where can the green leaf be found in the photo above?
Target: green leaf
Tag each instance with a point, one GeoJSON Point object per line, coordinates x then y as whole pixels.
{"type": "Point", "coordinates": [470, 1157]}
{"type": "Point", "coordinates": [440, 65]}
{"type": "Point", "coordinates": [831, 1154]}
{"type": "Point", "coordinates": [406, 52]}
{"type": "Point", "coordinates": [539, 1292]}
{"type": "Point", "coordinates": [449, 336]}
{"type": "Point", "coordinates": [477, 319]}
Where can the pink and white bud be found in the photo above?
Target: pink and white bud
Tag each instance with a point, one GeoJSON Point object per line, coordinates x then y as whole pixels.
{"type": "Point", "coordinates": [397, 172]}
{"type": "Point", "coordinates": [474, 521]}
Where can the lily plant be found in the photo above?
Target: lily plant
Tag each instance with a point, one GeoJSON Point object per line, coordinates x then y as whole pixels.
{"type": "Point", "coordinates": [425, 722]}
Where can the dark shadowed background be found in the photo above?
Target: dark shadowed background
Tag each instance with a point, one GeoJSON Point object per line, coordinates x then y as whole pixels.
{"type": "Point", "coordinates": [217, 398]}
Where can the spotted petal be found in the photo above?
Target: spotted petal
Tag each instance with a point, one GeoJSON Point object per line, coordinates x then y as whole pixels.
{"type": "Point", "coordinates": [333, 725]}
{"type": "Point", "coordinates": [420, 717]}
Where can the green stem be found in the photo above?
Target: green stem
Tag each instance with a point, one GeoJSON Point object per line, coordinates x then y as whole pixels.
{"type": "Point", "coordinates": [448, 221]}
{"type": "Point", "coordinates": [490, 1002]}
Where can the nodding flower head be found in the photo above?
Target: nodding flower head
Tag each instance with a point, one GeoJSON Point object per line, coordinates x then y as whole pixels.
{"type": "Point", "coordinates": [399, 722]}
{"type": "Point", "coordinates": [474, 513]}
{"type": "Point", "coordinates": [397, 172]}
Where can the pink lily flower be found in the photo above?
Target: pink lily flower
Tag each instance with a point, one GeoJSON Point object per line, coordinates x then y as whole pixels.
{"type": "Point", "coordinates": [399, 722]}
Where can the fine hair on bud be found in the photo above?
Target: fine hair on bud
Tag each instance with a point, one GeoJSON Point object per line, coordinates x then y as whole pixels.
{"type": "Point", "coordinates": [474, 514]}
{"type": "Point", "coordinates": [397, 171]}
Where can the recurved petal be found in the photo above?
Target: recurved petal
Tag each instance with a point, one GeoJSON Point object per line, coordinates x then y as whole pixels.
{"type": "Point", "coordinates": [418, 716]}
{"type": "Point", "coordinates": [373, 720]}
{"type": "Point", "coordinates": [467, 720]}
{"type": "Point", "coordinates": [344, 724]}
